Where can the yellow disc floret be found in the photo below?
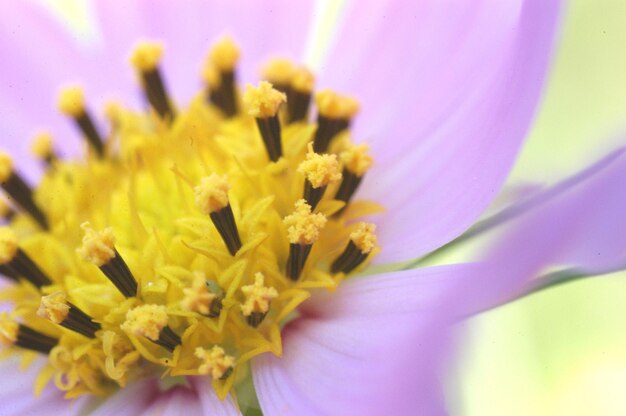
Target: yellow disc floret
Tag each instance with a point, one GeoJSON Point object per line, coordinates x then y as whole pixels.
{"type": "Point", "coordinates": [357, 159]}
{"type": "Point", "coordinates": [212, 193]}
{"type": "Point", "coordinates": [198, 297]}
{"type": "Point", "coordinates": [258, 296]}
{"type": "Point", "coordinates": [6, 166]}
{"type": "Point", "coordinates": [8, 330]}
{"type": "Point", "coordinates": [320, 170]}
{"type": "Point", "coordinates": [98, 246]}
{"type": "Point", "coordinates": [214, 362]}
{"type": "Point", "coordinates": [364, 238]}
{"type": "Point", "coordinates": [224, 54]}
{"type": "Point", "coordinates": [146, 56]}
{"type": "Point", "coordinates": [54, 307]}
{"type": "Point", "coordinates": [8, 245]}
{"type": "Point", "coordinates": [303, 227]}
{"type": "Point", "coordinates": [146, 321]}
{"type": "Point", "coordinates": [72, 101]}
{"type": "Point", "coordinates": [263, 101]}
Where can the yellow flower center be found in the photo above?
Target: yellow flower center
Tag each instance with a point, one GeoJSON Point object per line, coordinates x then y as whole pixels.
{"type": "Point", "coordinates": [187, 236]}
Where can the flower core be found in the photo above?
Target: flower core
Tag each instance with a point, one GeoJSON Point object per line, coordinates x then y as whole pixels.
{"type": "Point", "coordinates": [187, 236]}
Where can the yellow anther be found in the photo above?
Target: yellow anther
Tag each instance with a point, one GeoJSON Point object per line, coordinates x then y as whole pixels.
{"type": "Point", "coordinates": [332, 105]}
{"type": "Point", "coordinates": [214, 361]}
{"type": "Point", "coordinates": [303, 80]}
{"type": "Point", "coordinates": [113, 111]}
{"type": "Point", "coordinates": [263, 101]}
{"type": "Point", "coordinates": [41, 145]}
{"type": "Point", "coordinates": [198, 298]}
{"type": "Point", "coordinates": [258, 296]}
{"type": "Point", "coordinates": [320, 170]}
{"type": "Point", "coordinates": [98, 246]}
{"type": "Point", "coordinates": [8, 245]}
{"type": "Point", "coordinates": [303, 227]}
{"type": "Point", "coordinates": [212, 193]}
{"type": "Point", "coordinates": [211, 75]}
{"type": "Point", "coordinates": [364, 238]}
{"type": "Point", "coordinates": [72, 101]}
{"type": "Point", "coordinates": [54, 307]}
{"type": "Point", "coordinates": [146, 321]}
{"type": "Point", "coordinates": [8, 330]}
{"type": "Point", "coordinates": [146, 56]}
{"type": "Point", "coordinates": [6, 166]}
{"type": "Point", "coordinates": [278, 71]}
{"type": "Point", "coordinates": [224, 54]}
{"type": "Point", "coordinates": [357, 159]}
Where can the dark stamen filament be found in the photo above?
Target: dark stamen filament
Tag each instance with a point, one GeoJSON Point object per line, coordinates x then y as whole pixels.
{"type": "Point", "coordinates": [327, 129]}
{"type": "Point", "coordinates": [298, 253]}
{"type": "Point", "coordinates": [79, 321]}
{"type": "Point", "coordinates": [224, 221]}
{"type": "Point", "coordinates": [313, 195]}
{"type": "Point", "coordinates": [86, 125]}
{"type": "Point", "coordinates": [156, 94]}
{"type": "Point", "coordinates": [168, 339]}
{"type": "Point", "coordinates": [21, 193]}
{"type": "Point", "coordinates": [34, 340]}
{"type": "Point", "coordinates": [120, 275]}
{"type": "Point", "coordinates": [298, 103]}
{"type": "Point", "coordinates": [270, 133]}
{"type": "Point", "coordinates": [350, 259]}
{"type": "Point", "coordinates": [22, 266]}
{"type": "Point", "coordinates": [349, 184]}
{"type": "Point", "coordinates": [255, 318]}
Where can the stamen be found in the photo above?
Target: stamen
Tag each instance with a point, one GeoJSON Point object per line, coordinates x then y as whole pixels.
{"type": "Point", "coordinates": [263, 102]}
{"type": "Point", "coordinates": [16, 187]}
{"type": "Point", "coordinates": [319, 171]}
{"type": "Point", "coordinates": [150, 321]}
{"type": "Point", "coordinates": [215, 362]}
{"type": "Point", "coordinates": [258, 298]}
{"type": "Point", "coordinates": [43, 148]}
{"type": "Point", "coordinates": [198, 298]}
{"type": "Point", "coordinates": [99, 249]}
{"type": "Point", "coordinates": [57, 309]}
{"type": "Point", "coordinates": [212, 199]}
{"type": "Point", "coordinates": [12, 333]}
{"type": "Point", "coordinates": [362, 242]}
{"type": "Point", "coordinates": [356, 161]}
{"type": "Point", "coordinates": [279, 72]}
{"type": "Point", "coordinates": [6, 212]}
{"type": "Point", "coordinates": [146, 58]}
{"type": "Point", "coordinates": [72, 104]}
{"type": "Point", "coordinates": [219, 73]}
{"type": "Point", "coordinates": [303, 229]}
{"type": "Point", "coordinates": [299, 96]}
{"type": "Point", "coordinates": [15, 263]}
{"type": "Point", "coordinates": [334, 115]}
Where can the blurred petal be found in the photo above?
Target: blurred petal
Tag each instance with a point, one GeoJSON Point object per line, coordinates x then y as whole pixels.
{"type": "Point", "coordinates": [370, 348]}
{"type": "Point", "coordinates": [211, 404]}
{"type": "Point", "coordinates": [448, 91]}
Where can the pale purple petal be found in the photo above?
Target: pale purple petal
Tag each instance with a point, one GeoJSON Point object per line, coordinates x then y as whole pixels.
{"type": "Point", "coordinates": [134, 399]}
{"type": "Point", "coordinates": [372, 347]}
{"type": "Point", "coordinates": [211, 404]}
{"type": "Point", "coordinates": [448, 92]}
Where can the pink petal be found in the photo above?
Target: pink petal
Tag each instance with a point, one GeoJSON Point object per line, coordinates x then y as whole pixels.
{"type": "Point", "coordinates": [372, 347]}
{"type": "Point", "coordinates": [448, 94]}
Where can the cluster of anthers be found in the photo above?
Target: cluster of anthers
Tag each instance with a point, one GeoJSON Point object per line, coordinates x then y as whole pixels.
{"type": "Point", "coordinates": [186, 237]}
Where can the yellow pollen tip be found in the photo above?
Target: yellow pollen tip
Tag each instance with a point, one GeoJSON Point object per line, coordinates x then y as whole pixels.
{"type": "Point", "coordinates": [212, 193]}
{"type": "Point", "coordinates": [42, 145]}
{"type": "Point", "coordinates": [146, 56]}
{"type": "Point", "coordinates": [320, 170]}
{"type": "Point", "coordinates": [278, 71]}
{"type": "Point", "coordinates": [303, 80]}
{"type": "Point", "coordinates": [357, 159]}
{"type": "Point", "coordinates": [332, 105]}
{"type": "Point", "coordinates": [72, 101]}
{"type": "Point", "coordinates": [263, 101]}
{"type": "Point", "coordinates": [214, 361]}
{"type": "Point", "coordinates": [146, 321]}
{"type": "Point", "coordinates": [303, 227]}
{"type": "Point", "coordinates": [198, 298]}
{"type": "Point", "coordinates": [258, 296]}
{"type": "Point", "coordinates": [224, 54]}
{"type": "Point", "coordinates": [8, 245]}
{"type": "Point", "coordinates": [6, 166]}
{"type": "Point", "coordinates": [98, 246]}
{"type": "Point", "coordinates": [364, 238]}
{"type": "Point", "coordinates": [8, 330]}
{"type": "Point", "coordinates": [211, 75]}
{"type": "Point", "coordinates": [54, 307]}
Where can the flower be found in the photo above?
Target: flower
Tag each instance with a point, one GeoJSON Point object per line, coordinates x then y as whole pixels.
{"type": "Point", "coordinates": [421, 111]}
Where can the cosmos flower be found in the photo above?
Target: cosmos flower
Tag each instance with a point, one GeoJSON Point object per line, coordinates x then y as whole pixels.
{"type": "Point", "coordinates": [446, 95]}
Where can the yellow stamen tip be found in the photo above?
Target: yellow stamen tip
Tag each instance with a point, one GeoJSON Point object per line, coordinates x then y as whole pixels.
{"type": "Point", "coordinates": [72, 101]}
{"type": "Point", "coordinates": [364, 238]}
{"type": "Point", "coordinates": [211, 75]}
{"type": "Point", "coordinates": [8, 330]}
{"type": "Point", "coordinates": [146, 56]}
{"type": "Point", "coordinates": [198, 298]}
{"type": "Point", "coordinates": [303, 227]}
{"type": "Point", "coordinates": [54, 307]}
{"type": "Point", "coordinates": [320, 170]}
{"type": "Point", "coordinates": [224, 54]}
{"type": "Point", "coordinates": [146, 321]}
{"type": "Point", "coordinates": [212, 193]}
{"type": "Point", "coordinates": [98, 246]}
{"type": "Point", "coordinates": [303, 80]}
{"type": "Point", "coordinates": [332, 105]}
{"type": "Point", "coordinates": [357, 159]}
{"type": "Point", "coordinates": [214, 361]}
{"type": "Point", "coordinates": [8, 245]}
{"type": "Point", "coordinates": [6, 166]}
{"type": "Point", "coordinates": [42, 145]}
{"type": "Point", "coordinates": [278, 71]}
{"type": "Point", "coordinates": [263, 101]}
{"type": "Point", "coordinates": [258, 296]}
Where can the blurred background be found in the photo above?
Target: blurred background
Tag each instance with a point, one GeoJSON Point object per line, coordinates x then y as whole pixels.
{"type": "Point", "coordinates": [563, 351]}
